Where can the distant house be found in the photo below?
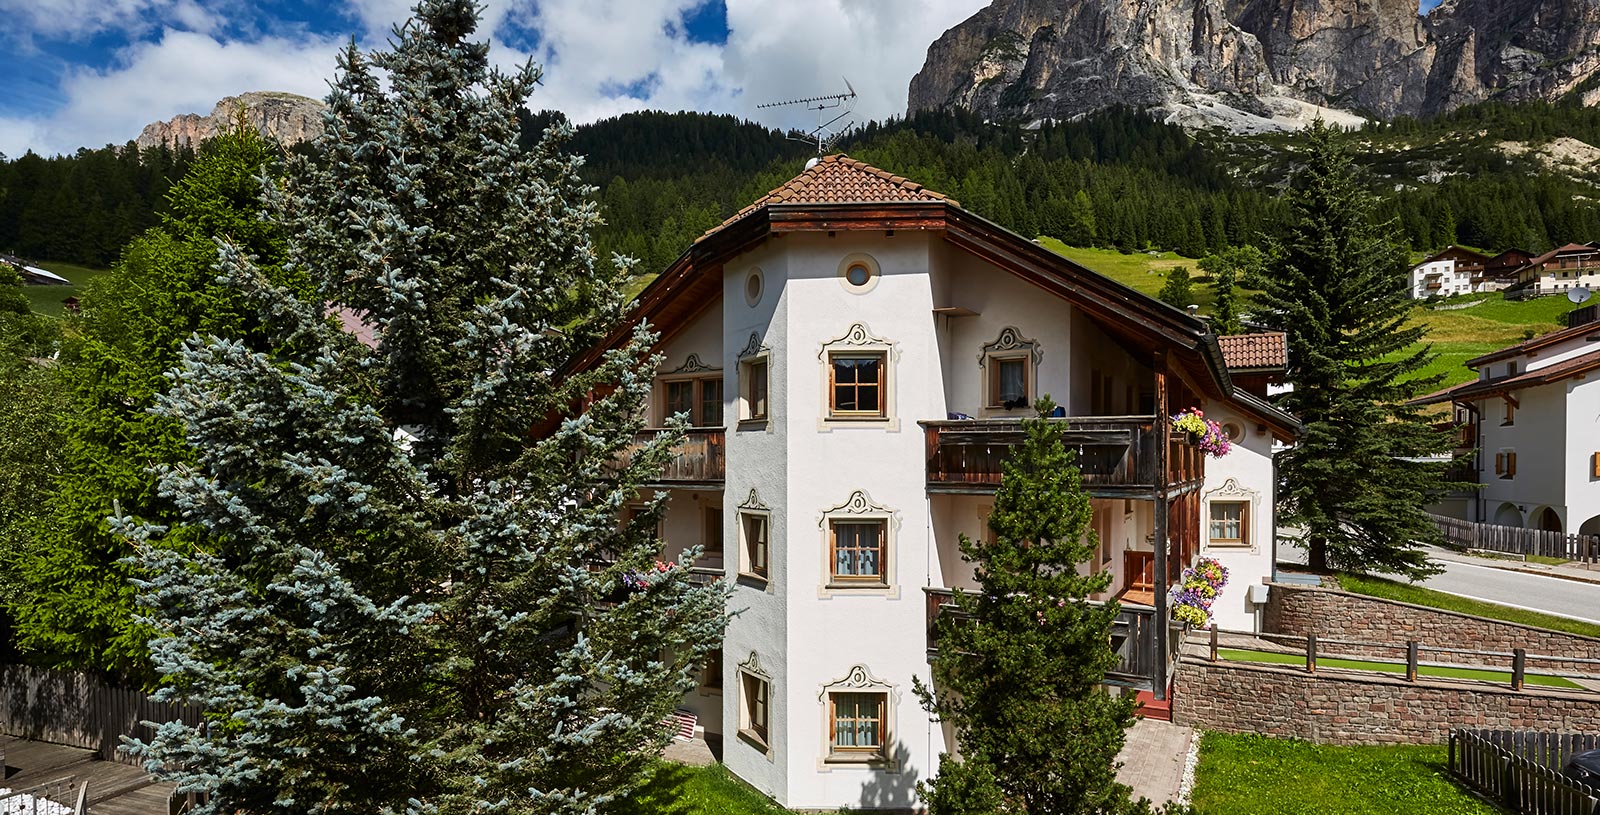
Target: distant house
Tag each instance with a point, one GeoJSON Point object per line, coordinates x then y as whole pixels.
{"type": "Point", "coordinates": [1533, 416]}
{"type": "Point", "coordinates": [33, 275]}
{"type": "Point", "coordinates": [1455, 270]}
{"type": "Point", "coordinates": [1560, 270]}
{"type": "Point", "coordinates": [1502, 270]}
{"type": "Point", "coordinates": [1257, 362]}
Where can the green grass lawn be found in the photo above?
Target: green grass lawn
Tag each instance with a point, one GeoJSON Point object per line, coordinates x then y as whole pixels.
{"type": "Point", "coordinates": [47, 299]}
{"type": "Point", "coordinates": [1408, 593]}
{"type": "Point", "coordinates": [677, 789]}
{"type": "Point", "coordinates": [1255, 775]}
{"type": "Point", "coordinates": [1501, 677]}
{"type": "Point", "coordinates": [1139, 271]}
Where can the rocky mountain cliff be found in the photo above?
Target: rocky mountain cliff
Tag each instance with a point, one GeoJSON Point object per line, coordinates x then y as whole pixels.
{"type": "Point", "coordinates": [283, 116]}
{"type": "Point", "coordinates": [1260, 64]}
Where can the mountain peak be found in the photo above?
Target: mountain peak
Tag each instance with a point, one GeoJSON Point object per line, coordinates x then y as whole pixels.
{"type": "Point", "coordinates": [286, 117]}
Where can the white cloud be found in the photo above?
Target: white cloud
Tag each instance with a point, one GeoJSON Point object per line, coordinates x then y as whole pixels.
{"type": "Point", "coordinates": [181, 72]}
{"type": "Point", "coordinates": [601, 58]}
{"type": "Point", "coordinates": [74, 18]}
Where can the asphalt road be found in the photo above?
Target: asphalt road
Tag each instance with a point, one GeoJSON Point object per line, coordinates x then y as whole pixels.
{"type": "Point", "coordinates": [1552, 595]}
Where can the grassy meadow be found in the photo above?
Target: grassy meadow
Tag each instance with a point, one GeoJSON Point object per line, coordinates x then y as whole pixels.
{"type": "Point", "coordinates": [47, 299]}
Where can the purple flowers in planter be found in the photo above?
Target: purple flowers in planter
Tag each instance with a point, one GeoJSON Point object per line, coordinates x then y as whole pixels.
{"type": "Point", "coordinates": [1203, 433]}
{"type": "Point", "coordinates": [1196, 591]}
{"type": "Point", "coordinates": [639, 581]}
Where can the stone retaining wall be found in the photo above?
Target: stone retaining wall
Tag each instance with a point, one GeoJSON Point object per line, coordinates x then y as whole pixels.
{"type": "Point", "coordinates": [1332, 614]}
{"type": "Point", "coordinates": [1338, 707]}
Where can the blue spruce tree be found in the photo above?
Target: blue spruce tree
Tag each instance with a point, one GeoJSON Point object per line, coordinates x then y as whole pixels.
{"type": "Point", "coordinates": [407, 603]}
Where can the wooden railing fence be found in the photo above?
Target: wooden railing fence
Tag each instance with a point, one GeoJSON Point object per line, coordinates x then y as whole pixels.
{"type": "Point", "coordinates": [56, 797]}
{"type": "Point", "coordinates": [1410, 653]}
{"type": "Point", "coordinates": [1518, 541]}
{"type": "Point", "coordinates": [1521, 770]}
{"type": "Point", "coordinates": [79, 711]}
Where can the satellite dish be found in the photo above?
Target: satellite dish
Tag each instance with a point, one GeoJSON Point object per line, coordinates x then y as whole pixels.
{"type": "Point", "coordinates": [1578, 295]}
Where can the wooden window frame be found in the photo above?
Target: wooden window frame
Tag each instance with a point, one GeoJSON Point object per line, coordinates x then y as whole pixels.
{"type": "Point", "coordinates": [992, 365]}
{"type": "Point", "coordinates": [758, 389]}
{"type": "Point", "coordinates": [749, 548]}
{"type": "Point", "coordinates": [1594, 464]}
{"type": "Point", "coordinates": [697, 400]}
{"type": "Point", "coordinates": [882, 411]}
{"type": "Point", "coordinates": [882, 730]}
{"type": "Point", "coordinates": [755, 709]}
{"type": "Point", "coordinates": [711, 528]}
{"type": "Point", "coordinates": [878, 580]}
{"type": "Point", "coordinates": [1244, 524]}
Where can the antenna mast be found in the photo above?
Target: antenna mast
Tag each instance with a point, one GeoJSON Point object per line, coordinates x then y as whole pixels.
{"type": "Point", "coordinates": [824, 134]}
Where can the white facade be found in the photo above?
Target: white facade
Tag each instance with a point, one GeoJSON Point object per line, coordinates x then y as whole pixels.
{"type": "Point", "coordinates": [1440, 278]}
{"type": "Point", "coordinates": [1538, 432]}
{"type": "Point", "coordinates": [803, 637]}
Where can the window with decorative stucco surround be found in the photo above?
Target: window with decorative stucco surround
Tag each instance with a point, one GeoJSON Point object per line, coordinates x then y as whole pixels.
{"type": "Point", "coordinates": [755, 705]}
{"type": "Point", "coordinates": [755, 529]}
{"type": "Point", "coordinates": [858, 538]}
{"type": "Point", "coordinates": [858, 373]}
{"type": "Point", "coordinates": [1010, 370]}
{"type": "Point", "coordinates": [755, 367]}
{"type": "Point", "coordinates": [858, 714]}
{"type": "Point", "coordinates": [694, 389]}
{"type": "Point", "coordinates": [1229, 509]}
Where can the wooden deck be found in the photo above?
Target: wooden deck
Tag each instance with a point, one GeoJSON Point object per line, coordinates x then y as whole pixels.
{"type": "Point", "coordinates": [114, 788]}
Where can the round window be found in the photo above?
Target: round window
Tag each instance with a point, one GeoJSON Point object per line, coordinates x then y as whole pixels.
{"type": "Point", "coordinates": [753, 287]}
{"type": "Point", "coordinates": [1234, 431]}
{"type": "Point", "coordinates": [858, 274]}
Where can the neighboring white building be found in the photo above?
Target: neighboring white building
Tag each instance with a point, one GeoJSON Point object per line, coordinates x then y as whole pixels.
{"type": "Point", "coordinates": [856, 352]}
{"type": "Point", "coordinates": [1452, 271]}
{"type": "Point", "coordinates": [1563, 269]}
{"type": "Point", "coordinates": [1533, 415]}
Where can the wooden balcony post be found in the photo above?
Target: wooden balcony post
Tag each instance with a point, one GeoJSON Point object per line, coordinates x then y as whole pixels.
{"type": "Point", "coordinates": [1411, 660]}
{"type": "Point", "coordinates": [1163, 435]}
{"type": "Point", "coordinates": [1213, 642]}
{"type": "Point", "coordinates": [1311, 653]}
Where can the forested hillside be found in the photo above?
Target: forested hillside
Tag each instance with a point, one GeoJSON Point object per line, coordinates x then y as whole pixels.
{"type": "Point", "coordinates": [1490, 176]}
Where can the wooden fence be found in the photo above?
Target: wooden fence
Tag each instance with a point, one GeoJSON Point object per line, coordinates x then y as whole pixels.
{"type": "Point", "coordinates": [58, 797]}
{"type": "Point", "coordinates": [76, 710]}
{"type": "Point", "coordinates": [1518, 541]}
{"type": "Point", "coordinates": [1521, 770]}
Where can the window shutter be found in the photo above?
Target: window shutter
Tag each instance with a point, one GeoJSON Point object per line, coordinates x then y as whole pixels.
{"type": "Point", "coordinates": [1596, 459]}
{"type": "Point", "coordinates": [1511, 464]}
{"type": "Point", "coordinates": [1499, 463]}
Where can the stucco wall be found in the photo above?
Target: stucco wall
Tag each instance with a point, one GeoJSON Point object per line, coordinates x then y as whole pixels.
{"type": "Point", "coordinates": [1583, 431]}
{"type": "Point", "coordinates": [1303, 610]}
{"type": "Point", "coordinates": [1332, 707]}
{"type": "Point", "coordinates": [1245, 474]}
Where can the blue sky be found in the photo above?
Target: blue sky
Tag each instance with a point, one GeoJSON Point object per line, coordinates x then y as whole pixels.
{"type": "Point", "coordinates": [90, 72]}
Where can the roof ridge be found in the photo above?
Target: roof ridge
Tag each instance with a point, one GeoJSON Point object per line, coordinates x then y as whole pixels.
{"type": "Point", "coordinates": [836, 178]}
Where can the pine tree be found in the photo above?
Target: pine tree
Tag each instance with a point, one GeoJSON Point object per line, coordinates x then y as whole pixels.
{"type": "Point", "coordinates": [1178, 291]}
{"type": "Point", "coordinates": [1021, 661]}
{"type": "Point", "coordinates": [78, 608]}
{"type": "Point", "coordinates": [1338, 289]}
{"type": "Point", "coordinates": [1228, 269]}
{"type": "Point", "coordinates": [409, 604]}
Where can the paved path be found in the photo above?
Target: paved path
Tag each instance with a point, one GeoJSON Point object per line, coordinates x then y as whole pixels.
{"type": "Point", "coordinates": [1517, 585]}
{"type": "Point", "coordinates": [1153, 758]}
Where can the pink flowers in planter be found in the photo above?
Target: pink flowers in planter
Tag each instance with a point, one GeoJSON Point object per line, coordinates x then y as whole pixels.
{"type": "Point", "coordinates": [1202, 432]}
{"type": "Point", "coordinates": [1198, 589]}
{"type": "Point", "coordinates": [639, 581]}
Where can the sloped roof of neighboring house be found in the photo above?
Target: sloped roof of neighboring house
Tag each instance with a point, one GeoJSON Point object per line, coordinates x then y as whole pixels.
{"type": "Point", "coordinates": [1456, 252]}
{"type": "Point", "coordinates": [835, 179]}
{"type": "Point", "coordinates": [1569, 249]}
{"type": "Point", "coordinates": [1267, 350]}
{"type": "Point", "coordinates": [1477, 389]}
{"type": "Point", "coordinates": [1535, 344]}
{"type": "Point", "coordinates": [838, 193]}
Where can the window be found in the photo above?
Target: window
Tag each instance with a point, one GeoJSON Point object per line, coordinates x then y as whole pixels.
{"type": "Point", "coordinates": [755, 696]}
{"type": "Point", "coordinates": [1505, 464]}
{"type": "Point", "coordinates": [858, 551]}
{"type": "Point", "coordinates": [1008, 382]}
{"type": "Point", "coordinates": [856, 385]}
{"type": "Point", "coordinates": [857, 723]}
{"type": "Point", "coordinates": [711, 672]}
{"type": "Point", "coordinates": [858, 273]}
{"type": "Point", "coordinates": [712, 536]}
{"type": "Point", "coordinates": [1510, 414]}
{"type": "Point", "coordinates": [700, 399]}
{"type": "Point", "coordinates": [755, 390]}
{"type": "Point", "coordinates": [1228, 523]}
{"type": "Point", "coordinates": [753, 287]}
{"type": "Point", "coordinates": [1594, 463]}
{"type": "Point", "coordinates": [753, 560]}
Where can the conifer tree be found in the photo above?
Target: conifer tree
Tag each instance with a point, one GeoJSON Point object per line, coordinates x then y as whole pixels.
{"type": "Point", "coordinates": [1021, 662]}
{"type": "Point", "coordinates": [77, 608]}
{"type": "Point", "coordinates": [410, 603]}
{"type": "Point", "coordinates": [1337, 288]}
{"type": "Point", "coordinates": [1178, 291]}
{"type": "Point", "coordinates": [1228, 269]}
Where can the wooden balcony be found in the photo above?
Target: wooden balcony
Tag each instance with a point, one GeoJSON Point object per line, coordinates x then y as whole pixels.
{"type": "Point", "coordinates": [700, 460]}
{"type": "Point", "coordinates": [1133, 637]}
{"type": "Point", "coordinates": [1116, 454]}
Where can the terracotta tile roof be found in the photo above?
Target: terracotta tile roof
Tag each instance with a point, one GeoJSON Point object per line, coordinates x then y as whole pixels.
{"type": "Point", "coordinates": [1569, 249]}
{"type": "Point", "coordinates": [1265, 350]}
{"type": "Point", "coordinates": [839, 179]}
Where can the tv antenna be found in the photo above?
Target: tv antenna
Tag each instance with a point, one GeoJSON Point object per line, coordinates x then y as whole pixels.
{"type": "Point", "coordinates": [824, 134]}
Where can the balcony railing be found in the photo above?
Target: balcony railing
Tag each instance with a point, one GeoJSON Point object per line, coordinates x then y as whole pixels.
{"type": "Point", "coordinates": [1133, 637]}
{"type": "Point", "coordinates": [1116, 454]}
{"type": "Point", "coordinates": [701, 458]}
